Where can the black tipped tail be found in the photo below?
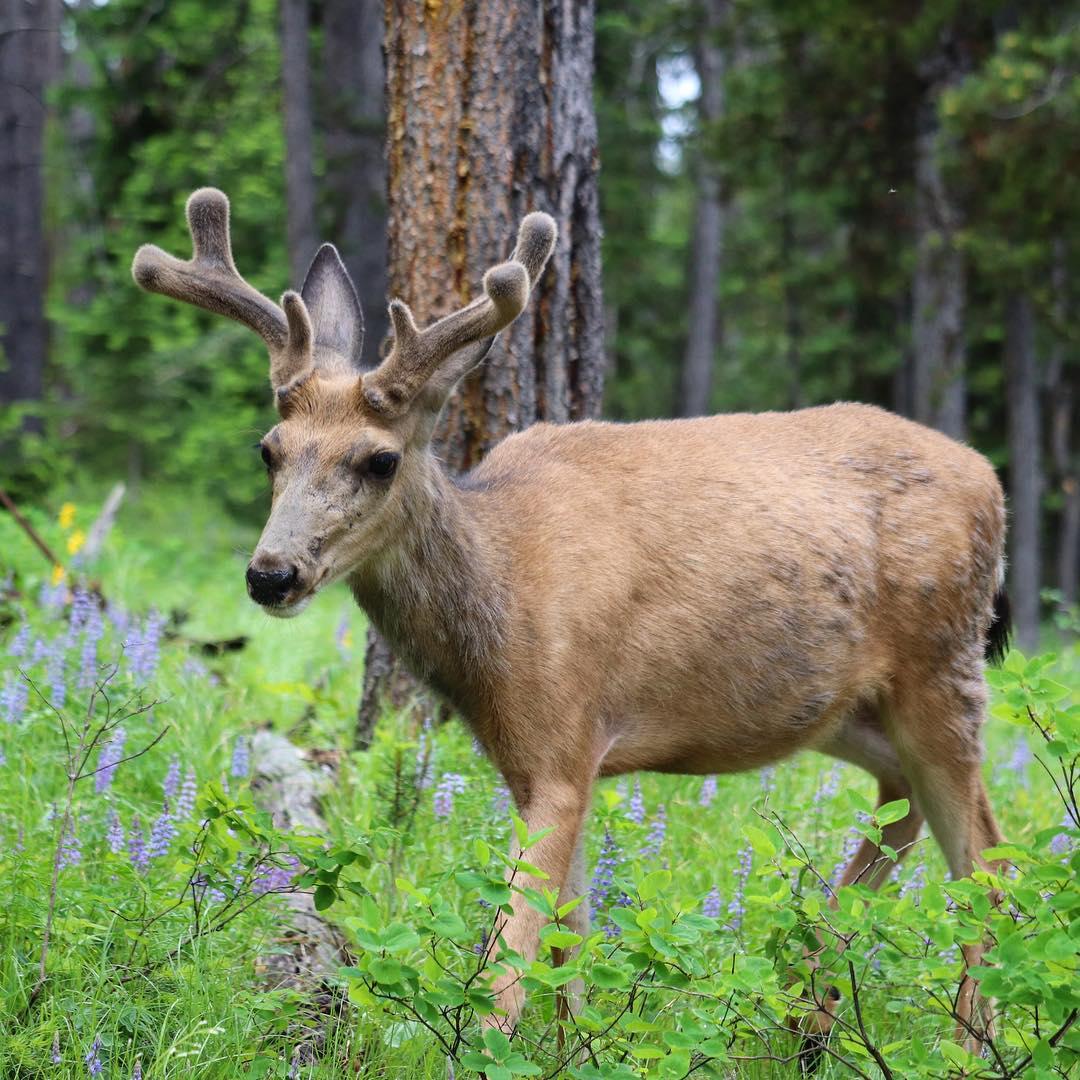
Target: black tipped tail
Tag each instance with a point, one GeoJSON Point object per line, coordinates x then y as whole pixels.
{"type": "Point", "coordinates": [997, 637]}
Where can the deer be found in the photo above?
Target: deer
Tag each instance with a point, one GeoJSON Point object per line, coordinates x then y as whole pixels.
{"type": "Point", "coordinates": [691, 596]}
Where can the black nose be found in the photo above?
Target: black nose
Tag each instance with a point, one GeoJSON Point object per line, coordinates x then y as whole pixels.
{"type": "Point", "coordinates": [270, 586]}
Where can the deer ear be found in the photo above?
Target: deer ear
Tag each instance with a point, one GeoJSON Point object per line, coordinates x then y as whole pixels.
{"type": "Point", "coordinates": [336, 319]}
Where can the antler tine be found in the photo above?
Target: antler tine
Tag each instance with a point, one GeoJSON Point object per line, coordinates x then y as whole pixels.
{"type": "Point", "coordinates": [417, 354]}
{"type": "Point", "coordinates": [211, 281]}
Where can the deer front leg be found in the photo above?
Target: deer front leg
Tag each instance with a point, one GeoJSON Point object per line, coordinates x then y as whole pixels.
{"type": "Point", "coordinates": [542, 803]}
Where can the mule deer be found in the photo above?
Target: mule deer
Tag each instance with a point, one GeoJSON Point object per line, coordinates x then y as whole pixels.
{"type": "Point", "coordinates": [685, 596]}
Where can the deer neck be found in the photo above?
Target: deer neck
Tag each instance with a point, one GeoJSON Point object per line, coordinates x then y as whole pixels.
{"type": "Point", "coordinates": [437, 593]}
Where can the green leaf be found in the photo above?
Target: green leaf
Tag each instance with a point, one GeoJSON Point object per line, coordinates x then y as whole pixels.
{"type": "Point", "coordinates": [653, 884]}
{"type": "Point", "coordinates": [325, 895]}
{"type": "Point", "coordinates": [498, 1045]}
{"type": "Point", "coordinates": [889, 812]}
{"type": "Point", "coordinates": [559, 939]}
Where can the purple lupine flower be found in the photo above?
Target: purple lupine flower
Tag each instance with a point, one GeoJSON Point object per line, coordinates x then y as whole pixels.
{"type": "Point", "coordinates": [170, 786]}
{"type": "Point", "coordinates": [56, 674]}
{"type": "Point", "coordinates": [1062, 843]}
{"type": "Point", "coordinates": [711, 905]}
{"type": "Point", "coordinates": [851, 846]}
{"type": "Point", "coordinates": [272, 878]}
{"type": "Point", "coordinates": [1016, 768]}
{"type": "Point", "coordinates": [294, 1065]}
{"type": "Point", "coordinates": [635, 811]}
{"type": "Point", "coordinates": [607, 863]}
{"type": "Point", "coordinates": [481, 946]}
{"type": "Point", "coordinates": [93, 1058]}
{"type": "Point", "coordinates": [137, 852]}
{"type": "Point", "coordinates": [450, 784]}
{"type": "Point", "coordinates": [185, 801]}
{"type": "Point", "coordinates": [114, 833]}
{"type": "Point", "coordinates": [119, 618]}
{"type": "Point", "coordinates": [20, 642]}
{"type": "Point", "coordinates": [768, 779]}
{"type": "Point", "coordinates": [13, 698]}
{"type": "Point", "coordinates": [708, 791]}
{"type": "Point", "coordinates": [136, 1072]}
{"type": "Point", "coordinates": [40, 650]}
{"type": "Point", "coordinates": [737, 905]}
{"type": "Point", "coordinates": [341, 638]}
{"type": "Point", "coordinates": [3, 757]}
{"type": "Point", "coordinates": [70, 850]}
{"type": "Point", "coordinates": [55, 1057]}
{"type": "Point", "coordinates": [500, 800]}
{"type": "Point", "coordinates": [828, 787]}
{"type": "Point", "coordinates": [425, 757]}
{"type": "Point", "coordinates": [93, 628]}
{"type": "Point", "coordinates": [162, 834]}
{"type": "Point", "coordinates": [51, 597]}
{"type": "Point", "coordinates": [657, 831]}
{"type": "Point", "coordinates": [145, 653]}
{"type": "Point", "coordinates": [82, 603]}
{"type": "Point", "coordinates": [241, 758]}
{"type": "Point", "coordinates": [108, 759]}
{"type": "Point", "coordinates": [917, 880]}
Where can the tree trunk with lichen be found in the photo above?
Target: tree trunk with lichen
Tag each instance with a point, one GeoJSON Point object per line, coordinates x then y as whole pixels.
{"type": "Point", "coordinates": [491, 117]}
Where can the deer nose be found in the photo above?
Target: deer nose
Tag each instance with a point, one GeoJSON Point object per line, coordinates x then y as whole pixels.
{"type": "Point", "coordinates": [270, 586]}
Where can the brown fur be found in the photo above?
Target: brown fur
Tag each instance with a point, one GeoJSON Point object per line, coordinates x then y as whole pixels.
{"type": "Point", "coordinates": [689, 596]}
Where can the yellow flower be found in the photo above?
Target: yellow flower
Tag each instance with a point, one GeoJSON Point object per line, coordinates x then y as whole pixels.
{"type": "Point", "coordinates": [67, 515]}
{"type": "Point", "coordinates": [76, 541]}
{"type": "Point", "coordinates": [57, 574]}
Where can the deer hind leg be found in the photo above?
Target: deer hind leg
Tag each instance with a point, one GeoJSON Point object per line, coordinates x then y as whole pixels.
{"type": "Point", "coordinates": [572, 995]}
{"type": "Point", "coordinates": [937, 733]}
{"type": "Point", "coordinates": [862, 741]}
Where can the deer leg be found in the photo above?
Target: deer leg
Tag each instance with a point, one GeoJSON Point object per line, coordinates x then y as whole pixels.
{"type": "Point", "coordinates": [944, 766]}
{"type": "Point", "coordinates": [543, 803]}
{"type": "Point", "coordinates": [571, 995]}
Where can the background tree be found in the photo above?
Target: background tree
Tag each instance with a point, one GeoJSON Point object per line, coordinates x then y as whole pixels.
{"type": "Point", "coordinates": [29, 61]}
{"type": "Point", "coordinates": [490, 117]}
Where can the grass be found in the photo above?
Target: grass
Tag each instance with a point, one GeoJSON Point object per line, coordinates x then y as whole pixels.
{"type": "Point", "coordinates": [204, 1012]}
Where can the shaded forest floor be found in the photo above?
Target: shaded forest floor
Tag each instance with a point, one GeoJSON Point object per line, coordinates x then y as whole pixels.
{"type": "Point", "coordinates": [154, 967]}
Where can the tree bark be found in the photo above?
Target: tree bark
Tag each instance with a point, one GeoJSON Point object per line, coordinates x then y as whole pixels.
{"type": "Point", "coordinates": [1025, 477]}
{"type": "Point", "coordinates": [352, 118]}
{"type": "Point", "coordinates": [29, 58]}
{"type": "Point", "coordinates": [302, 238]}
{"type": "Point", "coordinates": [490, 117]}
{"type": "Point", "coordinates": [938, 383]}
{"type": "Point", "coordinates": [708, 237]}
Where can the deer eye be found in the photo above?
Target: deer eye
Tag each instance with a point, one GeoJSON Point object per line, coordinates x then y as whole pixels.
{"type": "Point", "coordinates": [382, 464]}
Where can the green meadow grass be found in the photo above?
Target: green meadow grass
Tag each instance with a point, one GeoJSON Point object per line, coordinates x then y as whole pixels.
{"type": "Point", "coordinates": [204, 1012]}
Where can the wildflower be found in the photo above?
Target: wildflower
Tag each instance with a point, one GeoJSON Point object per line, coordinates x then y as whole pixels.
{"type": "Point", "coordinates": [828, 787]}
{"type": "Point", "coordinates": [1063, 842]}
{"type": "Point", "coordinates": [119, 618]}
{"type": "Point", "coordinates": [450, 785]}
{"type": "Point", "coordinates": [56, 675]}
{"type": "Point", "coordinates": [108, 759]}
{"type": "Point", "coordinates": [241, 758]}
{"type": "Point", "coordinates": [93, 630]}
{"type": "Point", "coordinates": [914, 884]}
{"type": "Point", "coordinates": [162, 834]}
{"type": "Point", "coordinates": [708, 791]}
{"type": "Point", "coordinates": [19, 643]}
{"type": "Point", "coordinates": [636, 810]}
{"type": "Point", "coordinates": [657, 831]}
{"type": "Point", "coordinates": [768, 780]}
{"type": "Point", "coordinates": [737, 905]}
{"type": "Point", "coordinates": [1016, 768]}
{"type": "Point", "coordinates": [66, 516]}
{"type": "Point", "coordinates": [75, 542]}
{"type": "Point", "coordinates": [343, 637]}
{"type": "Point", "coordinates": [13, 699]}
{"type": "Point", "coordinates": [137, 852]}
{"type": "Point", "coordinates": [481, 946]}
{"type": "Point", "coordinates": [136, 1073]}
{"type": "Point", "coordinates": [82, 603]}
{"type": "Point", "coordinates": [56, 577]}
{"type": "Point", "coordinates": [171, 785]}
{"type": "Point", "coordinates": [710, 906]}
{"type": "Point", "coordinates": [851, 846]}
{"type": "Point", "coordinates": [146, 652]}
{"type": "Point", "coordinates": [500, 800]}
{"type": "Point", "coordinates": [93, 1058]}
{"type": "Point", "coordinates": [272, 878]}
{"type": "Point", "coordinates": [55, 1056]}
{"type": "Point", "coordinates": [604, 875]}
{"type": "Point", "coordinates": [70, 850]}
{"type": "Point", "coordinates": [114, 833]}
{"type": "Point", "coordinates": [425, 756]}
{"type": "Point", "coordinates": [294, 1065]}
{"type": "Point", "coordinates": [185, 801]}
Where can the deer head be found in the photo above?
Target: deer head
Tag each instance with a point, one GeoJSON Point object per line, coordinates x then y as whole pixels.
{"type": "Point", "coordinates": [350, 454]}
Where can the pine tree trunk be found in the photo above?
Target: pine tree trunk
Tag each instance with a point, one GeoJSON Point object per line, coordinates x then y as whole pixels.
{"type": "Point", "coordinates": [352, 114]}
{"type": "Point", "coordinates": [490, 117]}
{"type": "Point", "coordinates": [938, 384]}
{"type": "Point", "coordinates": [1025, 477]}
{"type": "Point", "coordinates": [29, 57]}
{"type": "Point", "coordinates": [299, 179]}
{"type": "Point", "coordinates": [708, 236]}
